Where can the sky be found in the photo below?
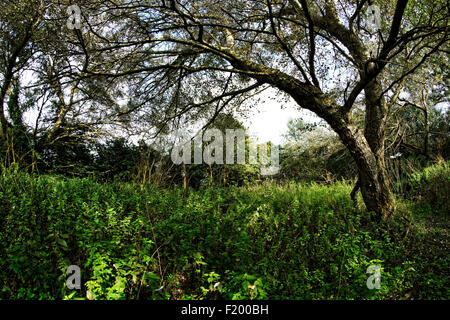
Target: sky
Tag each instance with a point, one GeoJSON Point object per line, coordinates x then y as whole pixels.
{"type": "Point", "coordinates": [268, 120]}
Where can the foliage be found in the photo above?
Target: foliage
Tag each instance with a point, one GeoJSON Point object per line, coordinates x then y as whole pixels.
{"type": "Point", "coordinates": [314, 153]}
{"type": "Point", "coordinates": [432, 186]}
{"type": "Point", "coordinates": [291, 241]}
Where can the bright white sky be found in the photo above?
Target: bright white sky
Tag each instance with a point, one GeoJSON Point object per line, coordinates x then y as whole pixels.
{"type": "Point", "coordinates": [268, 120]}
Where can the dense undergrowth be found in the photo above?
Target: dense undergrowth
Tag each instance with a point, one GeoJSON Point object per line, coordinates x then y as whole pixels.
{"type": "Point", "coordinates": [291, 241]}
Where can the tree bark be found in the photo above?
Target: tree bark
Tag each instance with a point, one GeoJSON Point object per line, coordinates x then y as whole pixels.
{"type": "Point", "coordinates": [376, 190]}
{"type": "Point", "coordinates": [373, 178]}
{"type": "Point", "coordinates": [366, 148]}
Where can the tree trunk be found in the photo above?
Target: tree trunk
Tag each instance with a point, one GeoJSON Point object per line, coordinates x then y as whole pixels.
{"type": "Point", "coordinates": [373, 178]}
{"type": "Point", "coordinates": [426, 149]}
{"type": "Point", "coordinates": [367, 149]}
{"type": "Point", "coordinates": [376, 191]}
{"type": "Point", "coordinates": [375, 184]}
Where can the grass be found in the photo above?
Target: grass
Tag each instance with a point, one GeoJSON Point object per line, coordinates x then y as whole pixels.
{"type": "Point", "coordinates": [290, 241]}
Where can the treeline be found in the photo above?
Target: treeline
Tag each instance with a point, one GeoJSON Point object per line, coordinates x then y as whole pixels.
{"type": "Point", "coordinates": [309, 153]}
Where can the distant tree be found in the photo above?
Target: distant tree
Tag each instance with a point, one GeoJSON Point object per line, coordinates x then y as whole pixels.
{"type": "Point", "coordinates": [314, 153]}
{"type": "Point", "coordinates": [223, 174]}
{"type": "Point", "coordinates": [296, 128]}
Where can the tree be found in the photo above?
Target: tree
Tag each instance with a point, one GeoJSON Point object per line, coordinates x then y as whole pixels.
{"type": "Point", "coordinates": [414, 117]}
{"type": "Point", "coordinates": [43, 58]}
{"type": "Point", "coordinates": [186, 56]}
{"type": "Point", "coordinates": [19, 21]}
{"type": "Point", "coordinates": [229, 174]}
{"type": "Point", "coordinates": [296, 128]}
{"type": "Point", "coordinates": [314, 153]}
{"type": "Point", "coordinates": [175, 61]}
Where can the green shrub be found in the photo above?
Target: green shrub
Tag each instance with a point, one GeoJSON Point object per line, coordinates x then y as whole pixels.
{"type": "Point", "coordinates": [432, 186]}
{"type": "Point", "coordinates": [292, 241]}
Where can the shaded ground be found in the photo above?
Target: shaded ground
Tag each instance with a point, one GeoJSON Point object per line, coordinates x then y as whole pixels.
{"type": "Point", "coordinates": [431, 251]}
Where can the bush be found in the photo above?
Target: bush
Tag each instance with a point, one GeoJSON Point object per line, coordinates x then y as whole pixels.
{"type": "Point", "coordinates": [432, 186]}
{"type": "Point", "coordinates": [292, 241]}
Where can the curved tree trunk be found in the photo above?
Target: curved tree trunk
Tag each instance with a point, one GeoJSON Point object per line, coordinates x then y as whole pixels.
{"type": "Point", "coordinates": [366, 148]}
{"type": "Point", "coordinates": [373, 178]}
{"type": "Point", "coordinates": [375, 184]}
{"type": "Point", "coordinates": [376, 191]}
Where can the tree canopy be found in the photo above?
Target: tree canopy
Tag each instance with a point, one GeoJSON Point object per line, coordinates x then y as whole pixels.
{"type": "Point", "coordinates": [148, 67]}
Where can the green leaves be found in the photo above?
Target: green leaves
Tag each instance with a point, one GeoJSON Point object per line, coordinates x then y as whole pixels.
{"type": "Point", "coordinates": [294, 241]}
{"type": "Point", "coordinates": [62, 243]}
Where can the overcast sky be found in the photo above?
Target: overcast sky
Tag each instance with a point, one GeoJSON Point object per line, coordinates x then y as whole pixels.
{"type": "Point", "coordinates": [268, 120]}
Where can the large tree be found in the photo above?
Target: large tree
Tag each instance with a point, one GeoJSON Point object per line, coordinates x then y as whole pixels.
{"type": "Point", "coordinates": [187, 55]}
{"type": "Point", "coordinates": [181, 59]}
